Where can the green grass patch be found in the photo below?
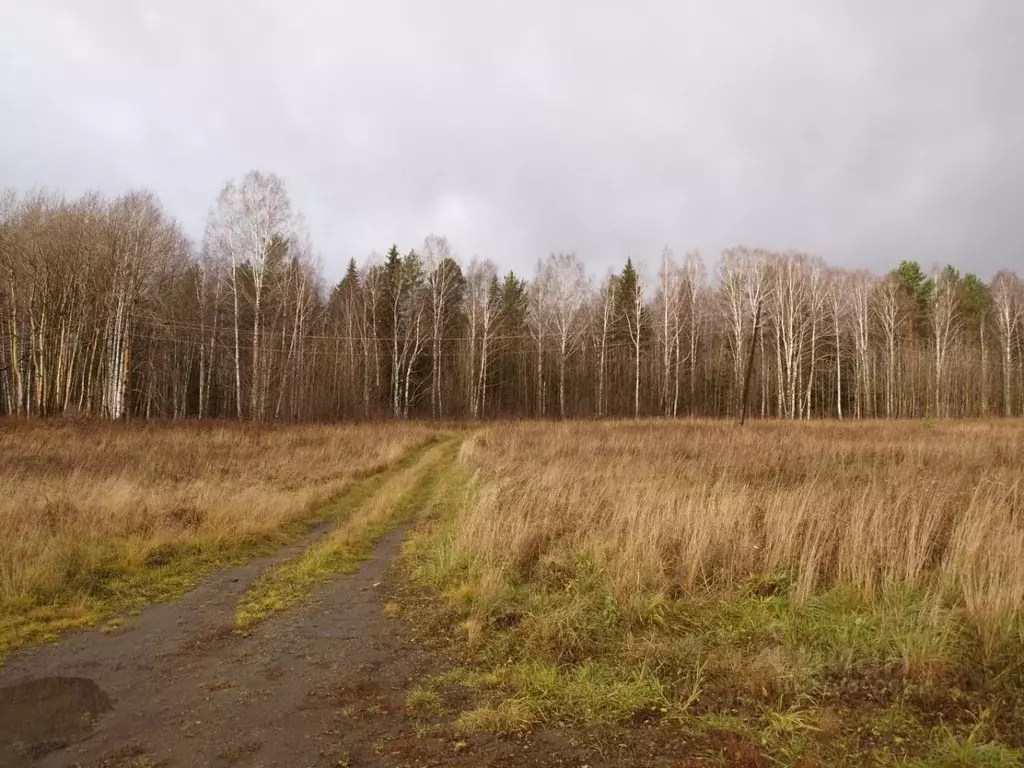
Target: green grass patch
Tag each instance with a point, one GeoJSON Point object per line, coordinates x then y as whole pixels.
{"type": "Point", "coordinates": [507, 716]}
{"type": "Point", "coordinates": [423, 701]}
{"type": "Point", "coordinates": [592, 692]}
{"type": "Point", "coordinates": [948, 750]}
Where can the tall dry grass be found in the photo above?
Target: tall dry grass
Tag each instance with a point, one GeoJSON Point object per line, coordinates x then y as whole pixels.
{"type": "Point", "coordinates": [79, 502]}
{"type": "Point", "coordinates": [683, 508]}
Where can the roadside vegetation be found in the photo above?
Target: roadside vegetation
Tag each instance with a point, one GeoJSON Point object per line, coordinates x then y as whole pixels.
{"type": "Point", "coordinates": [813, 594]}
{"type": "Point", "coordinates": [98, 518]}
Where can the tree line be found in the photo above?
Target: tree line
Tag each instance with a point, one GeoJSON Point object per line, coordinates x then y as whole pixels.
{"type": "Point", "coordinates": [107, 308]}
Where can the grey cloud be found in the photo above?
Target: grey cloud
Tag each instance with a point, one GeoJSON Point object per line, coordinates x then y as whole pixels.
{"type": "Point", "coordinates": [866, 132]}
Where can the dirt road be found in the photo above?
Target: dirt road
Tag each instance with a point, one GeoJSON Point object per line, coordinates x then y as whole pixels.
{"type": "Point", "coordinates": [179, 685]}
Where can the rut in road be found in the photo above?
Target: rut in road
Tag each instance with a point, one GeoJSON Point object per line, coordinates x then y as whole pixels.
{"type": "Point", "coordinates": [182, 685]}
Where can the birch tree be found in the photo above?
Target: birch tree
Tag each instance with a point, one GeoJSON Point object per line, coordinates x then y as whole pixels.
{"type": "Point", "coordinates": [693, 289]}
{"type": "Point", "coordinates": [977, 311]}
{"type": "Point", "coordinates": [788, 316]}
{"type": "Point", "coordinates": [569, 288]}
{"type": "Point", "coordinates": [631, 294]}
{"type": "Point", "coordinates": [603, 326]}
{"type": "Point", "coordinates": [816, 278]}
{"type": "Point", "coordinates": [10, 381]}
{"type": "Point", "coordinates": [138, 236]}
{"type": "Point", "coordinates": [945, 319]}
{"type": "Point", "coordinates": [445, 284]}
{"type": "Point", "coordinates": [1008, 309]}
{"type": "Point", "coordinates": [892, 318]}
{"type": "Point", "coordinates": [415, 332]}
{"type": "Point", "coordinates": [743, 275]}
{"type": "Point", "coordinates": [249, 225]}
{"type": "Point", "coordinates": [839, 297]}
{"type": "Point", "coordinates": [483, 307]}
{"type": "Point", "coordinates": [406, 307]}
{"type": "Point", "coordinates": [208, 288]}
{"type": "Point", "coordinates": [732, 277]}
{"type": "Point", "coordinates": [538, 320]}
{"type": "Point", "coordinates": [375, 287]}
{"type": "Point", "coordinates": [669, 300]}
{"type": "Point", "coordinates": [862, 292]}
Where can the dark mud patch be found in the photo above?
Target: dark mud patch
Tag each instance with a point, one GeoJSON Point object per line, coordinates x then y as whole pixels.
{"type": "Point", "coordinates": [41, 715]}
{"type": "Point", "coordinates": [646, 716]}
{"type": "Point", "coordinates": [737, 749]}
{"type": "Point", "coordinates": [130, 755]}
{"type": "Point", "coordinates": [208, 640]}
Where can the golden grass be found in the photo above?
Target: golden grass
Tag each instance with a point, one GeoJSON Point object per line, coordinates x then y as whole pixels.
{"type": "Point", "coordinates": [687, 508]}
{"type": "Point", "coordinates": [750, 581]}
{"type": "Point", "coordinates": [93, 512]}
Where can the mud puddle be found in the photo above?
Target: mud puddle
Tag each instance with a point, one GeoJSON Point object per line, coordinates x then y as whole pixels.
{"type": "Point", "coordinates": [43, 714]}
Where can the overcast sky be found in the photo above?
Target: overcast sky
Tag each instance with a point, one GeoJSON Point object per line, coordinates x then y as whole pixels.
{"type": "Point", "coordinates": [863, 131]}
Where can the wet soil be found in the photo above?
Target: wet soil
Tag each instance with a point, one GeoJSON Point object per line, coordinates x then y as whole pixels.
{"type": "Point", "coordinates": [183, 687]}
{"type": "Point", "coordinates": [45, 712]}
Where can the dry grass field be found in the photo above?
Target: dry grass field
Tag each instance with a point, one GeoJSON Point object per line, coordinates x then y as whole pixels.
{"type": "Point", "coordinates": [803, 594]}
{"type": "Point", "coordinates": [814, 590]}
{"type": "Point", "coordinates": [96, 516]}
